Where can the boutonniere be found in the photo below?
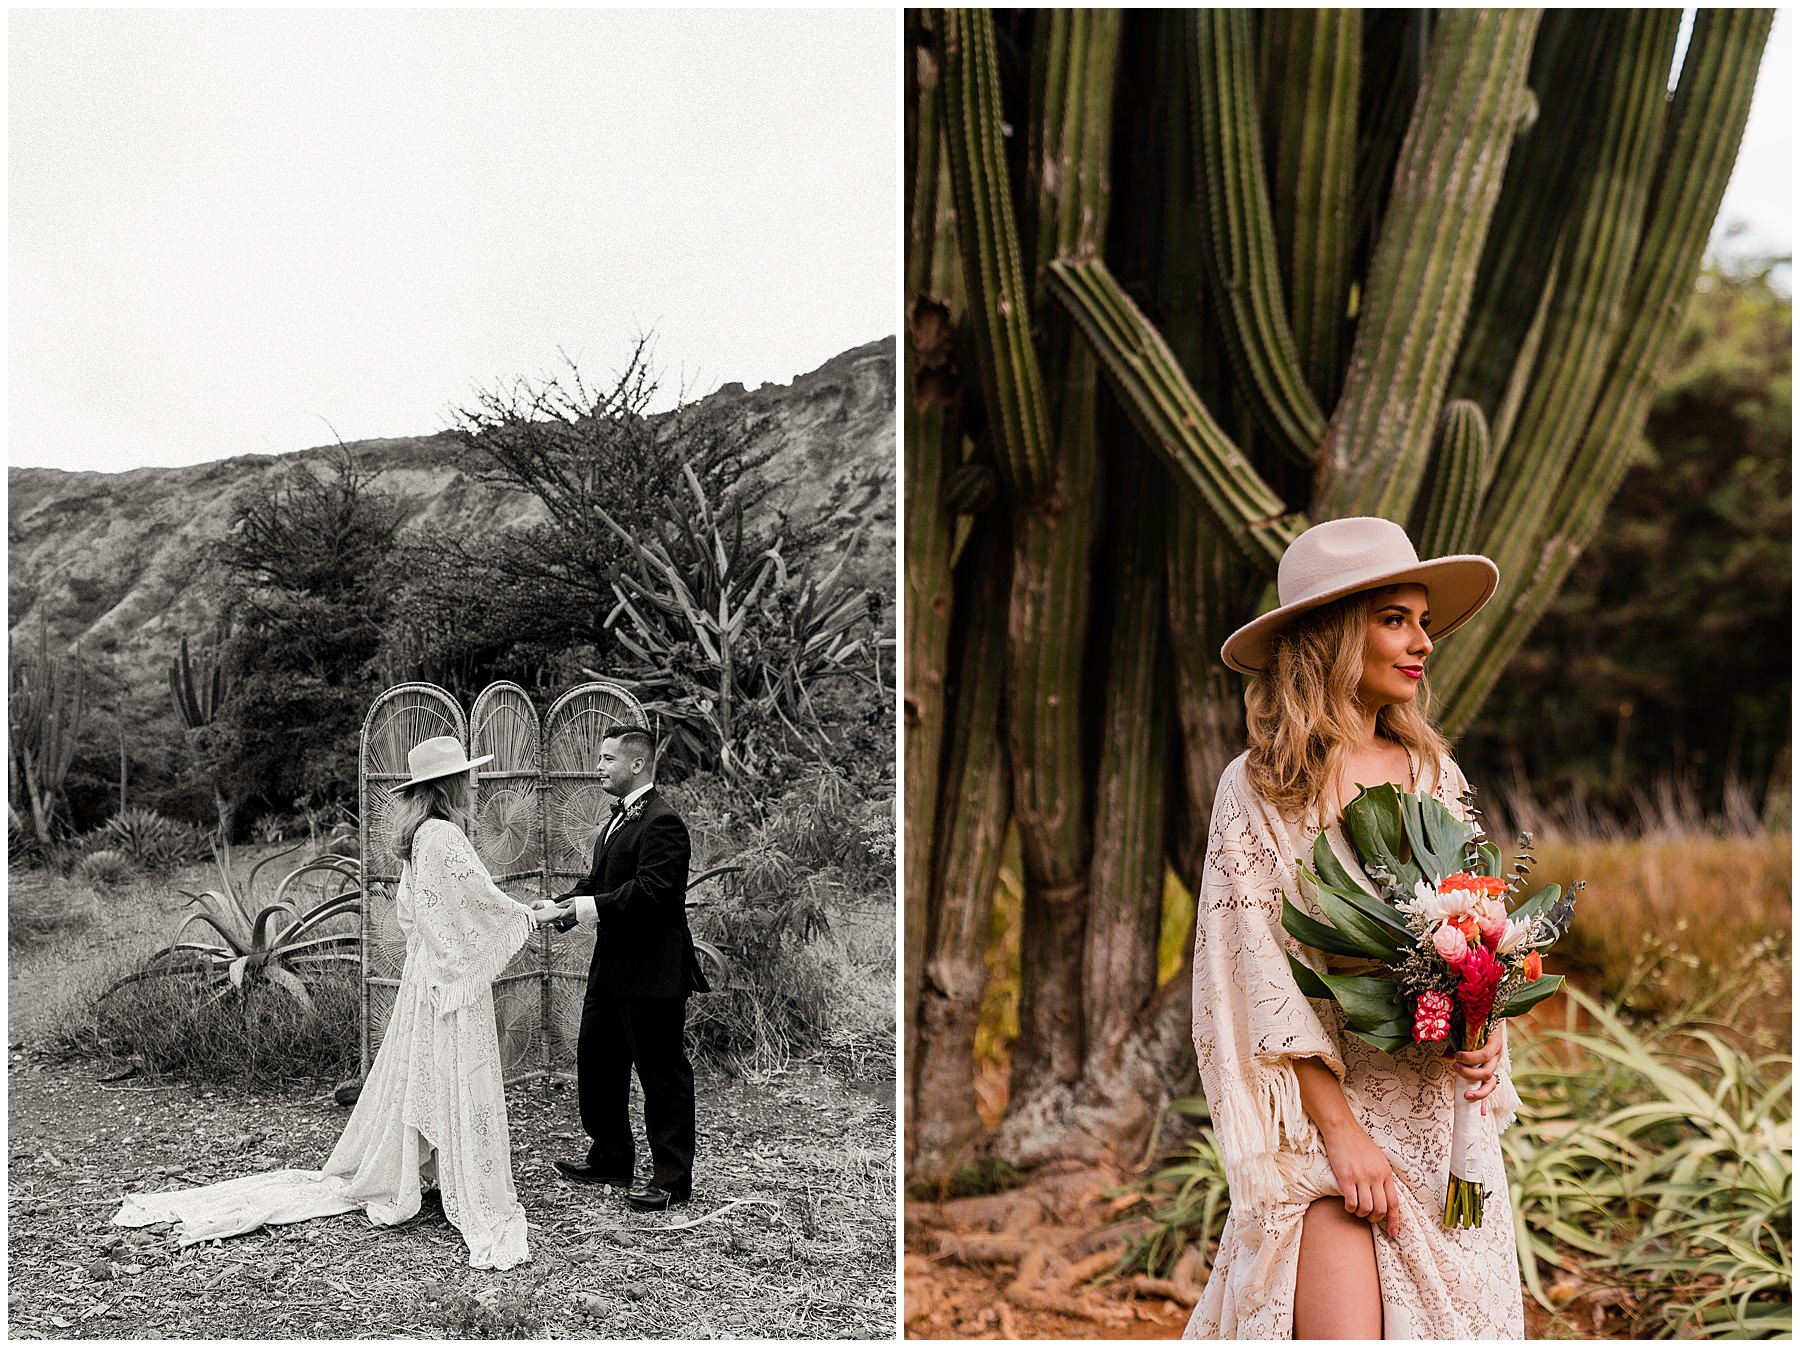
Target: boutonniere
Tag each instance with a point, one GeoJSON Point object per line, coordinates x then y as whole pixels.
{"type": "Point", "coordinates": [635, 810]}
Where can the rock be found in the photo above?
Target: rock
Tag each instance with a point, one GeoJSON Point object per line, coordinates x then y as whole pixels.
{"type": "Point", "coordinates": [348, 1093]}
{"type": "Point", "coordinates": [102, 1270]}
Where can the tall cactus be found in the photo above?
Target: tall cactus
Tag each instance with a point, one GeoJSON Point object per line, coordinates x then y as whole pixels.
{"type": "Point", "coordinates": [45, 706]}
{"type": "Point", "coordinates": [1422, 264]}
{"type": "Point", "coordinates": [200, 689]}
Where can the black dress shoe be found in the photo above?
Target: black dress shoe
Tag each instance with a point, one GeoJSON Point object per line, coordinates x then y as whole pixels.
{"type": "Point", "coordinates": [651, 1198]}
{"type": "Point", "coordinates": [584, 1174]}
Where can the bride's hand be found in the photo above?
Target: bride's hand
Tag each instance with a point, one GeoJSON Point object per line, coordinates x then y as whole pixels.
{"type": "Point", "coordinates": [1364, 1175]}
{"type": "Point", "coordinates": [1482, 1065]}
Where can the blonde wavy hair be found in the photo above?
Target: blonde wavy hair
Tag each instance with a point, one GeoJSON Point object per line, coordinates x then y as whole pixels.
{"type": "Point", "coordinates": [440, 798]}
{"type": "Point", "coordinates": [1302, 714]}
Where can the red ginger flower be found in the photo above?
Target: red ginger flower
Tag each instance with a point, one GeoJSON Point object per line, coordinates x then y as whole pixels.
{"type": "Point", "coordinates": [1480, 975]}
{"type": "Point", "coordinates": [1431, 1017]}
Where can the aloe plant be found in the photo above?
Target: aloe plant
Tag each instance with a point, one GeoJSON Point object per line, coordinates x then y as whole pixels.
{"type": "Point", "coordinates": [237, 944]}
{"type": "Point", "coordinates": [1421, 264]}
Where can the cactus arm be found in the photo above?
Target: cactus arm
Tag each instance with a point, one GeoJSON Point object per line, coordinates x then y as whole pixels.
{"type": "Point", "coordinates": [1459, 471]}
{"type": "Point", "coordinates": [1170, 416]}
{"type": "Point", "coordinates": [1701, 145]}
{"type": "Point", "coordinates": [1422, 274]}
{"type": "Point", "coordinates": [1588, 307]}
{"type": "Point", "coordinates": [1555, 151]}
{"type": "Point", "coordinates": [997, 301]}
{"type": "Point", "coordinates": [1316, 57]}
{"type": "Point", "coordinates": [1239, 231]}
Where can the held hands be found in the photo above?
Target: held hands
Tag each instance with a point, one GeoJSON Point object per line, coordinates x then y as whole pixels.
{"type": "Point", "coordinates": [1365, 1176]}
{"type": "Point", "coordinates": [545, 913]}
{"type": "Point", "coordinates": [1482, 1065]}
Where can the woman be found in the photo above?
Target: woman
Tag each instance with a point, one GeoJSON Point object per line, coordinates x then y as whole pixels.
{"type": "Point", "coordinates": [1337, 1154]}
{"type": "Point", "coordinates": [432, 1113]}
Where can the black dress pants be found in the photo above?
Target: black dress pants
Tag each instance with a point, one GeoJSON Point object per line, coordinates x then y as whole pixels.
{"type": "Point", "coordinates": [648, 1033]}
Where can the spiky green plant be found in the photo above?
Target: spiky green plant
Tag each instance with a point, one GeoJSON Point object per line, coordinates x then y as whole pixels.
{"type": "Point", "coordinates": [728, 651]}
{"type": "Point", "coordinates": [239, 944]}
{"type": "Point", "coordinates": [1421, 264]}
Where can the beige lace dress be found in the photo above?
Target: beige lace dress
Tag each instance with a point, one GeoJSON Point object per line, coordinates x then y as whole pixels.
{"type": "Point", "coordinates": [433, 1108]}
{"type": "Point", "coordinates": [1250, 1024]}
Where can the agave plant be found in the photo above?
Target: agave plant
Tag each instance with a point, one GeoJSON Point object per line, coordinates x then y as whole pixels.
{"type": "Point", "coordinates": [237, 944]}
{"type": "Point", "coordinates": [152, 840]}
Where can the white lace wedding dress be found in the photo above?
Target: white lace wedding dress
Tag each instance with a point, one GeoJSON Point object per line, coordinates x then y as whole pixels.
{"type": "Point", "coordinates": [433, 1105]}
{"type": "Point", "coordinates": [1250, 1024]}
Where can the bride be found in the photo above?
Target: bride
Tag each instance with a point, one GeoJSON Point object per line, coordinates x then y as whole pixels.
{"type": "Point", "coordinates": [432, 1113]}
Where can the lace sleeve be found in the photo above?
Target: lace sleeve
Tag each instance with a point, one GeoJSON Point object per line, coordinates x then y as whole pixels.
{"type": "Point", "coordinates": [1251, 1021]}
{"type": "Point", "coordinates": [471, 927]}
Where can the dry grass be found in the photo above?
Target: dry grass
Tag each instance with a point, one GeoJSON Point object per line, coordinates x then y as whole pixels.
{"type": "Point", "coordinates": [1706, 900]}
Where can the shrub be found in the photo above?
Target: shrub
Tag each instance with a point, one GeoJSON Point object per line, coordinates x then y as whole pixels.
{"type": "Point", "coordinates": [154, 842]}
{"type": "Point", "coordinates": [251, 1038]}
{"type": "Point", "coordinates": [106, 869]}
{"type": "Point", "coordinates": [806, 925]}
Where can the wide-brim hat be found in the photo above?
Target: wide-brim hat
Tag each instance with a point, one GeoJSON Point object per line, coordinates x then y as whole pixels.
{"type": "Point", "coordinates": [440, 756]}
{"type": "Point", "coordinates": [1344, 557]}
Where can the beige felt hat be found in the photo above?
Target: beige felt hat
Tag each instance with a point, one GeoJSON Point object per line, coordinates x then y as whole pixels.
{"type": "Point", "coordinates": [440, 756]}
{"type": "Point", "coordinates": [1364, 552]}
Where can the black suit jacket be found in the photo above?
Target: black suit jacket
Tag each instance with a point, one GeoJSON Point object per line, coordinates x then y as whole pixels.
{"type": "Point", "coordinates": [639, 883]}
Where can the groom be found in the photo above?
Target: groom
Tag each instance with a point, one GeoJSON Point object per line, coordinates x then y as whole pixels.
{"type": "Point", "coordinates": [644, 967]}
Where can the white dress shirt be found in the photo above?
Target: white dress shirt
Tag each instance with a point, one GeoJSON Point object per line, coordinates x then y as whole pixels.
{"type": "Point", "coordinates": [585, 909]}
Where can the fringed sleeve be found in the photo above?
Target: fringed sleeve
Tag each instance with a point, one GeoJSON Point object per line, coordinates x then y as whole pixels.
{"type": "Point", "coordinates": [470, 926]}
{"type": "Point", "coordinates": [1251, 1021]}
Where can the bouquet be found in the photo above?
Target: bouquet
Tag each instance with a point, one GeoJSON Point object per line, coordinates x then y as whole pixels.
{"type": "Point", "coordinates": [1452, 959]}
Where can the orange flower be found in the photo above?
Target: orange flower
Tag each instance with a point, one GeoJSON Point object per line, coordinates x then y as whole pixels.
{"type": "Point", "coordinates": [1467, 925]}
{"type": "Point", "coordinates": [1534, 966]}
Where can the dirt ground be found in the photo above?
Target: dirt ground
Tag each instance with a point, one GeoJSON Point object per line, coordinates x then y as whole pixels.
{"type": "Point", "coordinates": [789, 1234]}
{"type": "Point", "coordinates": [806, 1252]}
{"type": "Point", "coordinates": [1034, 1263]}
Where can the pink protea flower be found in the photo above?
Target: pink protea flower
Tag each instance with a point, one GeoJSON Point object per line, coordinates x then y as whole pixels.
{"type": "Point", "coordinates": [1451, 944]}
{"type": "Point", "coordinates": [1431, 1017]}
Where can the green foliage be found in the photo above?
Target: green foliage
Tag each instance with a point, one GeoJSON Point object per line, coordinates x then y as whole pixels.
{"type": "Point", "coordinates": [726, 651]}
{"type": "Point", "coordinates": [1654, 1158]}
{"type": "Point", "coordinates": [153, 841]}
{"type": "Point", "coordinates": [238, 945]}
{"type": "Point", "coordinates": [1667, 651]}
{"type": "Point", "coordinates": [106, 869]}
{"type": "Point", "coordinates": [308, 596]}
{"type": "Point", "coordinates": [988, 1176]}
{"type": "Point", "coordinates": [805, 924]}
{"type": "Point", "coordinates": [516, 603]}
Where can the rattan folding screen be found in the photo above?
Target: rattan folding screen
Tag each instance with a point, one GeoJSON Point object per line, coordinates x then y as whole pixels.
{"type": "Point", "coordinates": [538, 806]}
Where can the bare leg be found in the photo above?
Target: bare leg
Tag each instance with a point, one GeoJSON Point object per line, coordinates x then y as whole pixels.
{"type": "Point", "coordinates": [1337, 1294]}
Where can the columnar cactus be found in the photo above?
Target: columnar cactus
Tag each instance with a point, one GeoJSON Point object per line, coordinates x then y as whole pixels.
{"type": "Point", "coordinates": [45, 707]}
{"type": "Point", "coordinates": [1421, 264]}
{"type": "Point", "coordinates": [198, 687]}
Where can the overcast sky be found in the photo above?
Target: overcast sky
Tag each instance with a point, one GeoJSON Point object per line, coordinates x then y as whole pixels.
{"type": "Point", "coordinates": [243, 231]}
{"type": "Point", "coordinates": [229, 228]}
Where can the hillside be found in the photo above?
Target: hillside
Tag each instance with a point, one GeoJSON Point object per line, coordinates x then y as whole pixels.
{"type": "Point", "coordinates": [114, 559]}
